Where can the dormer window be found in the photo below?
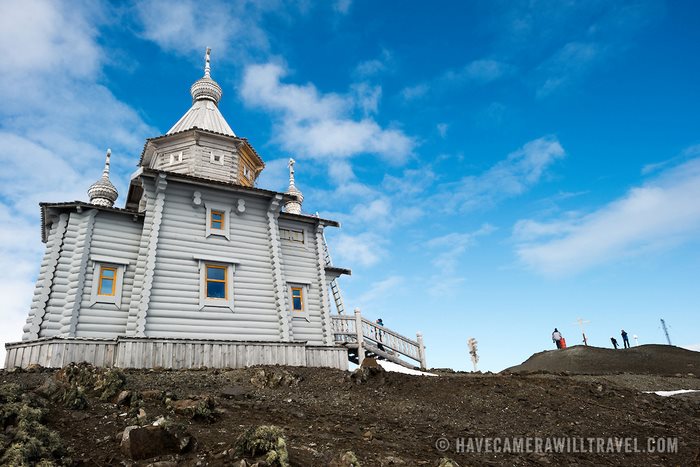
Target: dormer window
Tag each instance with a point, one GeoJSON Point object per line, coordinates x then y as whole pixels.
{"type": "Point", "coordinates": [175, 157]}
{"type": "Point", "coordinates": [216, 158]}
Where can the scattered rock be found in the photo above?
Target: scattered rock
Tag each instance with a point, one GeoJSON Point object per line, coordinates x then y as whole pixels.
{"type": "Point", "coordinates": [369, 362]}
{"type": "Point", "coordinates": [124, 398]}
{"type": "Point", "coordinates": [375, 375]}
{"type": "Point", "coordinates": [235, 392]}
{"type": "Point", "coordinates": [273, 379]}
{"type": "Point", "coordinates": [145, 442]}
{"type": "Point", "coordinates": [393, 460]}
{"type": "Point", "coordinates": [368, 435]}
{"type": "Point", "coordinates": [152, 394]}
{"type": "Point", "coordinates": [264, 440]}
{"type": "Point", "coordinates": [346, 459]}
{"type": "Point", "coordinates": [447, 462]}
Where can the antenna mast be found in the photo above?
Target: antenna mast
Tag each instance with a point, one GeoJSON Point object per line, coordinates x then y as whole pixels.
{"type": "Point", "coordinates": [663, 326]}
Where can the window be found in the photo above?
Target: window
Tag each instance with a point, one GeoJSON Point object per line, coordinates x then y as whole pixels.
{"type": "Point", "coordinates": [216, 282]}
{"type": "Point", "coordinates": [216, 158]}
{"type": "Point", "coordinates": [175, 157]}
{"type": "Point", "coordinates": [216, 219]}
{"type": "Point", "coordinates": [292, 235]}
{"type": "Point", "coordinates": [297, 299]}
{"type": "Point", "coordinates": [298, 294]}
{"type": "Point", "coordinates": [107, 281]}
{"type": "Point", "coordinates": [246, 172]}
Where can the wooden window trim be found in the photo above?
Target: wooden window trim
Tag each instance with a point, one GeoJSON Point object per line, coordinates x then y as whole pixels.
{"type": "Point", "coordinates": [301, 299]}
{"type": "Point", "coordinates": [221, 222]}
{"type": "Point", "coordinates": [224, 281]}
{"type": "Point", "coordinates": [113, 279]}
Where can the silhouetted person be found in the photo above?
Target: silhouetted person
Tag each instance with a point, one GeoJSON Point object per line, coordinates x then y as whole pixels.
{"type": "Point", "coordinates": [625, 339]}
{"type": "Point", "coordinates": [556, 338]}
{"type": "Point", "coordinates": [380, 334]}
{"type": "Point", "coordinates": [614, 342]}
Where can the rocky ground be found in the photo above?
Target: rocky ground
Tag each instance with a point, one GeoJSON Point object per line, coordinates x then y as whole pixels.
{"type": "Point", "coordinates": [309, 417]}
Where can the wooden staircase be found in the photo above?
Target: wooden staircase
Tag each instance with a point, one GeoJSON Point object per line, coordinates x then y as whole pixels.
{"type": "Point", "coordinates": [364, 338]}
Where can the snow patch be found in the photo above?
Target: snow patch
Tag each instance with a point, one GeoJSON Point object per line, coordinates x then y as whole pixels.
{"type": "Point", "coordinates": [672, 393]}
{"type": "Point", "coordinates": [396, 368]}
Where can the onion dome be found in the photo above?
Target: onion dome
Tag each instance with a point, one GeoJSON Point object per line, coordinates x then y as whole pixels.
{"type": "Point", "coordinates": [293, 206]}
{"type": "Point", "coordinates": [103, 192]}
{"type": "Point", "coordinates": [204, 113]}
{"type": "Point", "coordinates": [205, 87]}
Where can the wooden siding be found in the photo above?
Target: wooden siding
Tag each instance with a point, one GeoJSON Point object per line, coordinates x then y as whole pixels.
{"type": "Point", "coordinates": [44, 282]}
{"type": "Point", "coordinates": [116, 236]}
{"type": "Point", "coordinates": [174, 309]}
{"type": "Point", "coordinates": [300, 265]}
{"type": "Point", "coordinates": [170, 353]}
{"type": "Point", "coordinates": [58, 352]}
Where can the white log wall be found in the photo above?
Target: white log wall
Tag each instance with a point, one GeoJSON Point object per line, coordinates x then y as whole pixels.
{"type": "Point", "coordinates": [117, 236]}
{"type": "Point", "coordinates": [174, 309]}
{"type": "Point", "coordinates": [300, 265]}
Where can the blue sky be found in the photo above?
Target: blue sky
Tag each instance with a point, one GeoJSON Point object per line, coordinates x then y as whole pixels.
{"type": "Point", "coordinates": [500, 168]}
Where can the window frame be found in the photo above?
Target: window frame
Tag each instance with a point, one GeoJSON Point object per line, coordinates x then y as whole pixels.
{"type": "Point", "coordinates": [175, 157]}
{"type": "Point", "coordinates": [304, 312]}
{"type": "Point", "coordinates": [229, 269]}
{"type": "Point", "coordinates": [102, 277]}
{"type": "Point", "coordinates": [213, 157]}
{"type": "Point", "coordinates": [225, 230]}
{"type": "Point", "coordinates": [119, 265]}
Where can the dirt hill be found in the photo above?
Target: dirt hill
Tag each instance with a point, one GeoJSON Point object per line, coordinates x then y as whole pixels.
{"type": "Point", "coordinates": [322, 417]}
{"type": "Point", "coordinates": [664, 360]}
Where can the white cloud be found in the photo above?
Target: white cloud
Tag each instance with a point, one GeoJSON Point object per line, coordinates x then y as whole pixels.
{"type": "Point", "coordinates": [479, 71]}
{"type": "Point", "coordinates": [187, 27]}
{"type": "Point", "coordinates": [342, 6]}
{"type": "Point", "coordinates": [365, 249]}
{"type": "Point", "coordinates": [46, 36]}
{"type": "Point", "coordinates": [693, 347]}
{"type": "Point", "coordinates": [442, 129]}
{"type": "Point", "coordinates": [319, 125]}
{"type": "Point", "coordinates": [567, 64]}
{"type": "Point", "coordinates": [375, 66]}
{"type": "Point", "coordinates": [663, 212]}
{"type": "Point", "coordinates": [391, 286]}
{"type": "Point", "coordinates": [453, 246]}
{"type": "Point", "coordinates": [510, 177]}
{"type": "Point", "coordinates": [410, 93]}
{"type": "Point", "coordinates": [57, 121]}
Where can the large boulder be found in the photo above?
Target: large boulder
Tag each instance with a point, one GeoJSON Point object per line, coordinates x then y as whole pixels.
{"type": "Point", "coordinates": [148, 441]}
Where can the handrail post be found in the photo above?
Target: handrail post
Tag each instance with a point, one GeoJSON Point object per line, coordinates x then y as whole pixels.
{"type": "Point", "coordinates": [421, 351]}
{"type": "Point", "coordinates": [360, 337]}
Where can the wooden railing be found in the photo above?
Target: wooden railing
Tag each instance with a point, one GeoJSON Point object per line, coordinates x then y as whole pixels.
{"type": "Point", "coordinates": [377, 337]}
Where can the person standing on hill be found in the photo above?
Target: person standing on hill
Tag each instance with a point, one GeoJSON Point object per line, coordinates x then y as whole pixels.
{"type": "Point", "coordinates": [614, 342]}
{"type": "Point", "coordinates": [556, 338]}
{"type": "Point", "coordinates": [625, 339]}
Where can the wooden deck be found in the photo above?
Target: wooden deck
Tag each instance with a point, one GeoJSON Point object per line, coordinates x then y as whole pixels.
{"type": "Point", "coordinates": [145, 352]}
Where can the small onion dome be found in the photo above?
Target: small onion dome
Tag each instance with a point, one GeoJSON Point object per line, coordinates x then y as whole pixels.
{"type": "Point", "coordinates": [103, 192]}
{"type": "Point", "coordinates": [205, 87]}
{"type": "Point", "coordinates": [293, 206]}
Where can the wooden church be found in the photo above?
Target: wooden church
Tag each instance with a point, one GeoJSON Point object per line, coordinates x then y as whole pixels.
{"type": "Point", "coordinates": [200, 268]}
